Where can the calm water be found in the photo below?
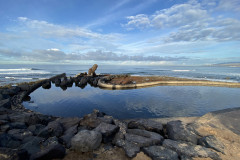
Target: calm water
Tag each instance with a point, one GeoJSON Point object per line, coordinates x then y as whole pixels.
{"type": "Point", "coordinates": [161, 101]}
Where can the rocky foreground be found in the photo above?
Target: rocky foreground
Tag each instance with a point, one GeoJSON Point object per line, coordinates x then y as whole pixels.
{"type": "Point", "coordinates": [25, 134]}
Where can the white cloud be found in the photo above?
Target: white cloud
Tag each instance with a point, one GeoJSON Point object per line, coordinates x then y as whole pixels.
{"type": "Point", "coordinates": [192, 21]}
{"type": "Point", "coordinates": [53, 49]}
{"type": "Point", "coordinates": [140, 21]}
{"type": "Point", "coordinates": [46, 29]}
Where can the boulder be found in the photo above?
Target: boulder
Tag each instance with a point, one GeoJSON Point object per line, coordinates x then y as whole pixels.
{"type": "Point", "coordinates": [83, 81]}
{"type": "Point", "coordinates": [5, 127]}
{"type": "Point", "coordinates": [91, 71]}
{"type": "Point", "coordinates": [211, 142]}
{"type": "Point", "coordinates": [6, 103]}
{"type": "Point", "coordinates": [18, 125]}
{"type": "Point", "coordinates": [11, 91]}
{"type": "Point", "coordinates": [57, 82]}
{"type": "Point", "coordinates": [67, 136]}
{"type": "Point", "coordinates": [146, 124]}
{"type": "Point", "coordinates": [32, 144]}
{"type": "Point", "coordinates": [24, 117]}
{"type": "Point", "coordinates": [160, 153]}
{"type": "Point", "coordinates": [107, 131]}
{"type": "Point", "coordinates": [19, 133]}
{"type": "Point", "coordinates": [24, 87]}
{"type": "Point", "coordinates": [47, 85]}
{"type": "Point", "coordinates": [54, 151]}
{"type": "Point", "coordinates": [4, 96]}
{"type": "Point", "coordinates": [36, 129]}
{"type": "Point", "coordinates": [131, 149]}
{"type": "Point", "coordinates": [50, 141]}
{"type": "Point", "coordinates": [190, 150]}
{"type": "Point", "coordinates": [176, 130]}
{"type": "Point", "coordinates": [9, 141]}
{"type": "Point", "coordinates": [68, 122]}
{"type": "Point", "coordinates": [91, 120]}
{"type": "Point", "coordinates": [143, 138]}
{"type": "Point", "coordinates": [13, 154]}
{"type": "Point", "coordinates": [85, 141]}
{"type": "Point", "coordinates": [53, 128]}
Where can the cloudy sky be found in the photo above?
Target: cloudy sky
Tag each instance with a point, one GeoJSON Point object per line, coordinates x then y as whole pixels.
{"type": "Point", "coordinates": [143, 32]}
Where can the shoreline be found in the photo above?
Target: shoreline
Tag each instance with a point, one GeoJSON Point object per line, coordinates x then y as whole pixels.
{"type": "Point", "coordinates": [106, 82]}
{"type": "Point", "coordinates": [126, 139]}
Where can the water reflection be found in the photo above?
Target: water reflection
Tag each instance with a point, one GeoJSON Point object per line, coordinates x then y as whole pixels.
{"type": "Point", "coordinates": [160, 101]}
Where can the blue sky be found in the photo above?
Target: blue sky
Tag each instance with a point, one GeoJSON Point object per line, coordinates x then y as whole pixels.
{"type": "Point", "coordinates": [123, 32]}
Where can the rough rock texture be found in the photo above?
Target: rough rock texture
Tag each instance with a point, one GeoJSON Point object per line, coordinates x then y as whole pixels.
{"type": "Point", "coordinates": [107, 130]}
{"type": "Point", "coordinates": [85, 141]}
{"type": "Point", "coordinates": [53, 128]}
{"type": "Point", "coordinates": [91, 71]}
{"type": "Point", "coordinates": [131, 149]}
{"type": "Point", "coordinates": [68, 134]}
{"type": "Point", "coordinates": [176, 130]}
{"type": "Point", "coordinates": [146, 124]}
{"type": "Point", "coordinates": [52, 151]}
{"type": "Point", "coordinates": [9, 141]}
{"type": "Point", "coordinates": [160, 153]}
{"type": "Point", "coordinates": [190, 150]}
{"type": "Point", "coordinates": [224, 125]}
{"type": "Point", "coordinates": [211, 142]}
{"type": "Point", "coordinates": [143, 138]}
{"type": "Point", "coordinates": [13, 154]}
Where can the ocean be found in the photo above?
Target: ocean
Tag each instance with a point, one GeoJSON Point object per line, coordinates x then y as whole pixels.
{"type": "Point", "coordinates": [11, 74]}
{"type": "Point", "coordinates": [151, 102]}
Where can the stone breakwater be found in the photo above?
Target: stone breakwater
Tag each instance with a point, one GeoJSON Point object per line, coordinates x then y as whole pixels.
{"type": "Point", "coordinates": [25, 134]}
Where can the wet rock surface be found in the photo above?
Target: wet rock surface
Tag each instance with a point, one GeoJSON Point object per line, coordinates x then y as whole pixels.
{"type": "Point", "coordinates": [28, 135]}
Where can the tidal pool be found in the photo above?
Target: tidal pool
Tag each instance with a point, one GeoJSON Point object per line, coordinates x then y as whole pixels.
{"type": "Point", "coordinates": [152, 102]}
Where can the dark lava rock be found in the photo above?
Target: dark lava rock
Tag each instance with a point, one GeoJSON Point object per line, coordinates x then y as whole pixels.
{"type": "Point", "coordinates": [92, 120]}
{"type": "Point", "coordinates": [20, 133]}
{"type": "Point", "coordinates": [13, 154]}
{"type": "Point", "coordinates": [11, 91]}
{"type": "Point", "coordinates": [131, 149]}
{"type": "Point", "coordinates": [211, 142]}
{"type": "Point", "coordinates": [85, 141]}
{"type": "Point", "coordinates": [4, 117]}
{"type": "Point", "coordinates": [50, 152]}
{"type": "Point", "coordinates": [4, 96]}
{"type": "Point", "coordinates": [5, 128]}
{"type": "Point", "coordinates": [18, 125]}
{"type": "Point", "coordinates": [53, 128]}
{"type": "Point", "coordinates": [146, 124]}
{"type": "Point", "coordinates": [160, 153]}
{"type": "Point", "coordinates": [143, 138]}
{"type": "Point", "coordinates": [83, 81]}
{"type": "Point", "coordinates": [107, 131]}
{"type": "Point", "coordinates": [6, 103]}
{"type": "Point", "coordinates": [190, 150]}
{"type": "Point", "coordinates": [177, 131]}
{"type": "Point", "coordinates": [24, 87]}
{"type": "Point", "coordinates": [27, 118]}
{"type": "Point", "coordinates": [67, 136]}
{"type": "Point", "coordinates": [47, 85]}
{"type": "Point", "coordinates": [50, 141]}
{"type": "Point", "coordinates": [57, 82]}
{"type": "Point", "coordinates": [36, 129]}
{"type": "Point", "coordinates": [32, 144]}
{"type": "Point", "coordinates": [9, 141]}
{"type": "Point", "coordinates": [68, 122]}
{"type": "Point", "coordinates": [3, 122]}
{"type": "Point", "coordinates": [106, 119]}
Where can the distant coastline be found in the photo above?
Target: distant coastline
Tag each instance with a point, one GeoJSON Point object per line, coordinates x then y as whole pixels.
{"type": "Point", "coordinates": [231, 64]}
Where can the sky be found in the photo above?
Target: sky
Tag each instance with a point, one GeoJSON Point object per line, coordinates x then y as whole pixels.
{"type": "Point", "coordinates": [121, 32]}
